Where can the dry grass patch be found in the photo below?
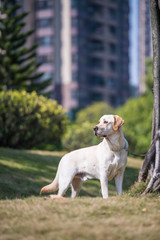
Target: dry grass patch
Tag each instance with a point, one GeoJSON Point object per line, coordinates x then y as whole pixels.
{"type": "Point", "coordinates": [82, 218]}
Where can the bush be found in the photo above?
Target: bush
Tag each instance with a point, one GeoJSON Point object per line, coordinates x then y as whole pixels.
{"type": "Point", "coordinates": [27, 120]}
{"type": "Point", "coordinates": [93, 112]}
{"type": "Point", "coordinates": [137, 114]}
{"type": "Point", "coordinates": [79, 136]}
{"type": "Point", "coordinates": [81, 133]}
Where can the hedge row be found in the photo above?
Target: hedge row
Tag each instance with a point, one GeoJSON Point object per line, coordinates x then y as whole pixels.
{"type": "Point", "coordinates": [27, 120]}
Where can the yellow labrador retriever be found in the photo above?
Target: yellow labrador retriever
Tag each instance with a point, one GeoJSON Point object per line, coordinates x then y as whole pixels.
{"type": "Point", "coordinates": [104, 161]}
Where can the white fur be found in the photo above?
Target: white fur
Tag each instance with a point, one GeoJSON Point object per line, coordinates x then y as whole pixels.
{"type": "Point", "coordinates": [104, 161]}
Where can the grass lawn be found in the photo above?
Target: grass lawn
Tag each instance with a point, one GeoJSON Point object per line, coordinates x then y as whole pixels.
{"type": "Point", "coordinates": [26, 215]}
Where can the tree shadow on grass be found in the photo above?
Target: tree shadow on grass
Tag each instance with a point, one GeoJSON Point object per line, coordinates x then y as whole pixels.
{"type": "Point", "coordinates": [130, 177]}
{"type": "Point", "coordinates": [92, 188]}
{"type": "Point", "coordinates": [23, 174]}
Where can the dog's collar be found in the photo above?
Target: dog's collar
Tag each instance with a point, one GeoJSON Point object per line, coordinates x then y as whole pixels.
{"type": "Point", "coordinates": [125, 146]}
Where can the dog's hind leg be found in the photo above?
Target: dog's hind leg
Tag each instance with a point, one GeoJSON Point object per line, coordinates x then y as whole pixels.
{"type": "Point", "coordinates": [75, 187]}
{"type": "Point", "coordinates": [64, 183]}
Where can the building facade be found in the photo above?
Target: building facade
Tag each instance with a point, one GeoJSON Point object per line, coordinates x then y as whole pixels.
{"type": "Point", "coordinates": [98, 44]}
{"type": "Point", "coordinates": [83, 45]}
{"type": "Point", "coordinates": [144, 41]}
{"type": "Point", "coordinates": [45, 18]}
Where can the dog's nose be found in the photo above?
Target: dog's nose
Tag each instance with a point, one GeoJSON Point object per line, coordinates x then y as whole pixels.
{"type": "Point", "coordinates": [95, 128]}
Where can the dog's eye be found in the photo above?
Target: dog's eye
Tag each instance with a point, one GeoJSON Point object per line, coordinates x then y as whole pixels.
{"type": "Point", "coordinates": [106, 122]}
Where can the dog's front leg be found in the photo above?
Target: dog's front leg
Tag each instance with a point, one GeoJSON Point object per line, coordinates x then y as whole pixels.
{"type": "Point", "coordinates": [119, 181]}
{"type": "Point", "coordinates": [104, 185]}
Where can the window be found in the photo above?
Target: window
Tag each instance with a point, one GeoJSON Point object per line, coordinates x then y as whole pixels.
{"type": "Point", "coordinates": [95, 9]}
{"type": "Point", "coordinates": [74, 94]}
{"type": "Point", "coordinates": [95, 62]}
{"type": "Point", "coordinates": [113, 100]}
{"type": "Point", "coordinates": [95, 27]}
{"type": "Point", "coordinates": [96, 45]}
{"type": "Point", "coordinates": [95, 97]}
{"type": "Point", "coordinates": [112, 30]}
{"type": "Point", "coordinates": [112, 13]}
{"type": "Point", "coordinates": [45, 58]}
{"type": "Point", "coordinates": [74, 40]}
{"type": "Point", "coordinates": [74, 3]}
{"type": "Point", "coordinates": [96, 80]}
{"type": "Point", "coordinates": [43, 23]}
{"type": "Point", "coordinates": [74, 76]}
{"type": "Point", "coordinates": [82, 4]}
{"type": "Point", "coordinates": [112, 48]}
{"type": "Point", "coordinates": [112, 65]}
{"type": "Point", "coordinates": [46, 4]}
{"type": "Point", "coordinates": [74, 58]}
{"type": "Point", "coordinates": [74, 21]}
{"type": "Point", "coordinates": [111, 82]}
{"type": "Point", "coordinates": [45, 41]}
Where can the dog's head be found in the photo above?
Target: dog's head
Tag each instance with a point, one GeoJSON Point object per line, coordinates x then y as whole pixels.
{"type": "Point", "coordinates": [108, 125]}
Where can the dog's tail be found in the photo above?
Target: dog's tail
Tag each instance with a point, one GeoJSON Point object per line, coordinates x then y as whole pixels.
{"type": "Point", "coordinates": [50, 187]}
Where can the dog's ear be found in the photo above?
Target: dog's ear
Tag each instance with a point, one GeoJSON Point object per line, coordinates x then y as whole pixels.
{"type": "Point", "coordinates": [118, 122]}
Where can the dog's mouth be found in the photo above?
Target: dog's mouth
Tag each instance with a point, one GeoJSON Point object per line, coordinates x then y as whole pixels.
{"type": "Point", "coordinates": [99, 135]}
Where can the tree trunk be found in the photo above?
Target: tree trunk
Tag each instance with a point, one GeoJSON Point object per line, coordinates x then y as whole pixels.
{"type": "Point", "coordinates": [152, 159]}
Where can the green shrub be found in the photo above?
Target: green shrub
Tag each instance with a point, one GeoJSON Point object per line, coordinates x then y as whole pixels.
{"type": "Point", "coordinates": [78, 136]}
{"type": "Point", "coordinates": [81, 133]}
{"type": "Point", "coordinates": [27, 120]}
{"type": "Point", "coordinates": [137, 114]}
{"type": "Point", "coordinates": [93, 112]}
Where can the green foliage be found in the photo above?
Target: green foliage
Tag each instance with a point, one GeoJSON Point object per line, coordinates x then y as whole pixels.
{"type": "Point", "coordinates": [137, 114]}
{"type": "Point", "coordinates": [18, 63]}
{"type": "Point", "coordinates": [137, 188]}
{"type": "Point", "coordinates": [79, 136]}
{"type": "Point", "coordinates": [27, 120]}
{"type": "Point", "coordinates": [93, 112]}
{"type": "Point", "coordinates": [81, 133]}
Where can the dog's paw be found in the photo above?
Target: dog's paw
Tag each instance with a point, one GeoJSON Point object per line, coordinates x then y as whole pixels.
{"type": "Point", "coordinates": [52, 196]}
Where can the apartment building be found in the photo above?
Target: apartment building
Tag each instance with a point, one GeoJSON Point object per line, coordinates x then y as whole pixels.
{"type": "Point", "coordinates": [83, 45]}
